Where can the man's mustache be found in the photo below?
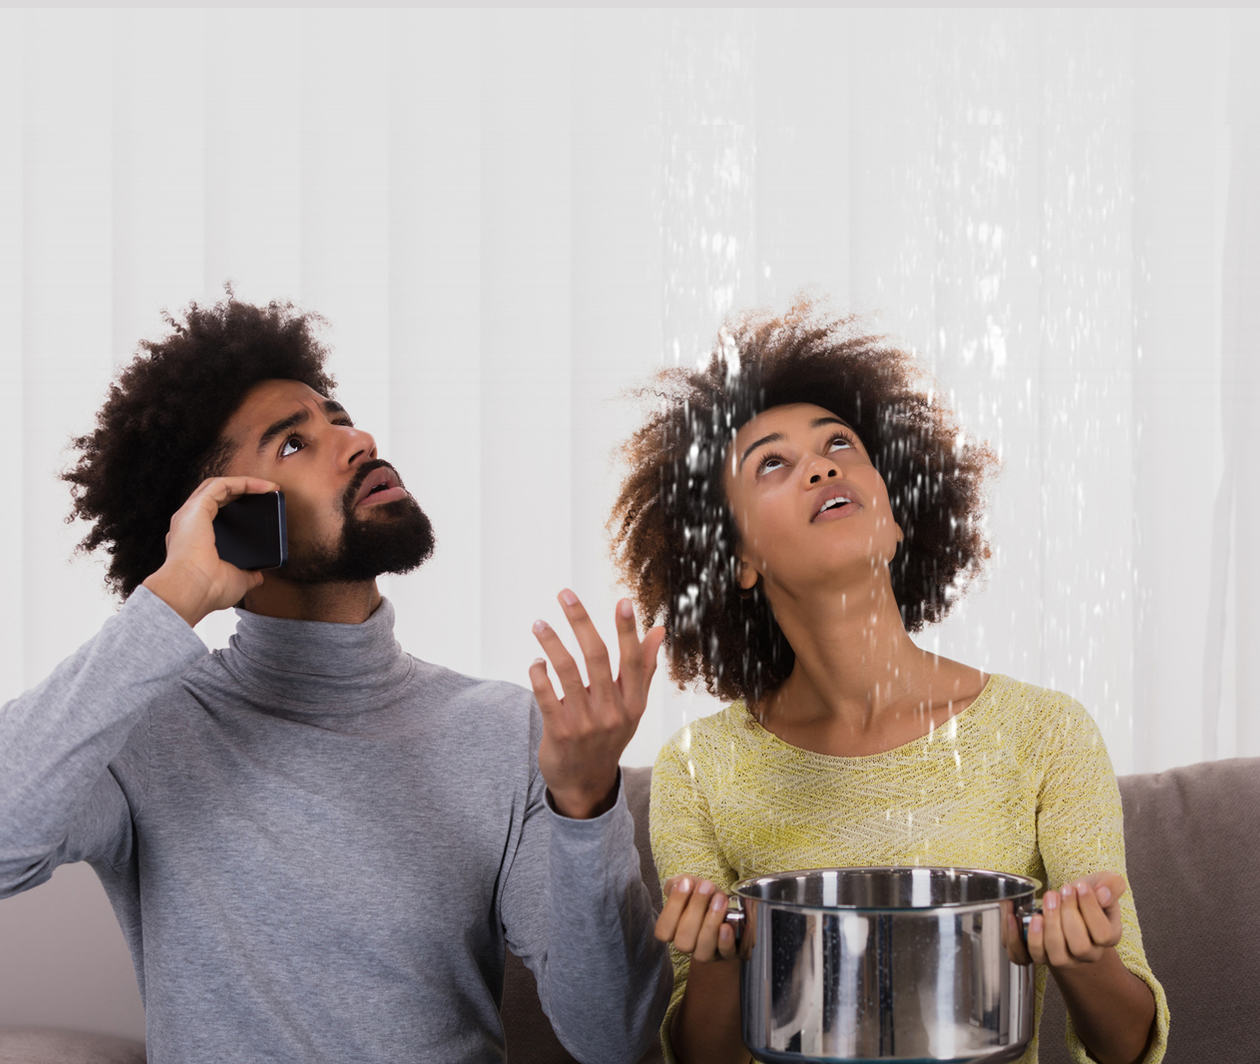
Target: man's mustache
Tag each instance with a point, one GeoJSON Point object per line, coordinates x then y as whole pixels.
{"type": "Point", "coordinates": [365, 471]}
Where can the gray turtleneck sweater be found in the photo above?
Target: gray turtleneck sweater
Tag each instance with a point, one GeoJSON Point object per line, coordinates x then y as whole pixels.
{"type": "Point", "coordinates": [318, 845]}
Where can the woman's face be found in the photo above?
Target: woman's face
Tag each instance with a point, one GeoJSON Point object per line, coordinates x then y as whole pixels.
{"type": "Point", "coordinates": [806, 500]}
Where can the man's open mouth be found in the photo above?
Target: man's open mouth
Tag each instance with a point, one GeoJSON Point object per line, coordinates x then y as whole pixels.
{"type": "Point", "coordinates": [382, 485]}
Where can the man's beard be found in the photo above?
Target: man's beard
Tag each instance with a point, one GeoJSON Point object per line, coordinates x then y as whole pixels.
{"type": "Point", "coordinates": [396, 538]}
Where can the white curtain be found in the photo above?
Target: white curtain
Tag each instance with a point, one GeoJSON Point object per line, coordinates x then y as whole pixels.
{"type": "Point", "coordinates": [510, 218]}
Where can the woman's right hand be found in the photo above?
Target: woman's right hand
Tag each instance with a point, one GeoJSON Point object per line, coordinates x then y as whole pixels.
{"type": "Point", "coordinates": [694, 920]}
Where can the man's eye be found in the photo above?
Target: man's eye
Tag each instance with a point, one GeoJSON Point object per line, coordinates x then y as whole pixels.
{"type": "Point", "coordinates": [291, 446]}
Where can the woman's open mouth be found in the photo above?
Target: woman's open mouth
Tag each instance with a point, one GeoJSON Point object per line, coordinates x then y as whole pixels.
{"type": "Point", "coordinates": [838, 506]}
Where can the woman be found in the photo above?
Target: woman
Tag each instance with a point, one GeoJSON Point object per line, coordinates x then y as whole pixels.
{"type": "Point", "coordinates": [793, 510]}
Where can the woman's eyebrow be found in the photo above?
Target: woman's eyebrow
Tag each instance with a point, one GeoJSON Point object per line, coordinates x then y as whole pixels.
{"type": "Point", "coordinates": [753, 446]}
{"type": "Point", "coordinates": [818, 422]}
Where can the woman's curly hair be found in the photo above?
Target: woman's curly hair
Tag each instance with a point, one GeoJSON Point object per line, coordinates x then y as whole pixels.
{"type": "Point", "coordinates": [674, 537]}
{"type": "Point", "coordinates": [158, 434]}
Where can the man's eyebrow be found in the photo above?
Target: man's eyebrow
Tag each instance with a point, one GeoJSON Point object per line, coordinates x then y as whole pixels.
{"type": "Point", "coordinates": [331, 407]}
{"type": "Point", "coordinates": [283, 425]}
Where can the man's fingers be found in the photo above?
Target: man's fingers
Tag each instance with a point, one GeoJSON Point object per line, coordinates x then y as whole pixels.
{"type": "Point", "coordinates": [651, 652]}
{"type": "Point", "coordinates": [629, 650]}
{"type": "Point", "coordinates": [638, 658]}
{"type": "Point", "coordinates": [540, 683]}
{"type": "Point", "coordinates": [598, 666]}
{"type": "Point", "coordinates": [221, 490]}
{"type": "Point", "coordinates": [562, 661]}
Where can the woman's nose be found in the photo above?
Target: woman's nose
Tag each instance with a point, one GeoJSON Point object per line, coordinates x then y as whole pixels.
{"type": "Point", "coordinates": [821, 468]}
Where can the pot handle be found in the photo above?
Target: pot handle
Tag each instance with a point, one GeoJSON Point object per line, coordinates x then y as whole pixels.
{"type": "Point", "coordinates": [736, 917]}
{"type": "Point", "coordinates": [1025, 918]}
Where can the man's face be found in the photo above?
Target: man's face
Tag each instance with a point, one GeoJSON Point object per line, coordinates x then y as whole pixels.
{"type": "Point", "coordinates": [349, 517]}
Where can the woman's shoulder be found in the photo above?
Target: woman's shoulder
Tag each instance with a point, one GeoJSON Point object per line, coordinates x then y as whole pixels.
{"type": "Point", "coordinates": [1042, 719]}
{"type": "Point", "coordinates": [1009, 696]}
{"type": "Point", "coordinates": [704, 735]}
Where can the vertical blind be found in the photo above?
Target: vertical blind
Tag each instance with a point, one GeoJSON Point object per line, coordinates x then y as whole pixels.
{"type": "Point", "coordinates": [511, 218]}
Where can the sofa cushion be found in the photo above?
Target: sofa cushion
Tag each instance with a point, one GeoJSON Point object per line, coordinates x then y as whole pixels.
{"type": "Point", "coordinates": [1192, 861]}
{"type": "Point", "coordinates": [43, 1045]}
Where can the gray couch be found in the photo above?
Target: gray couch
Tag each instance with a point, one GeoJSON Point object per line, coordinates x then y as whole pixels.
{"type": "Point", "coordinates": [1192, 852]}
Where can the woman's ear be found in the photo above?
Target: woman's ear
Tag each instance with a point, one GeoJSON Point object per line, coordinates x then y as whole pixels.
{"type": "Point", "coordinates": [748, 575]}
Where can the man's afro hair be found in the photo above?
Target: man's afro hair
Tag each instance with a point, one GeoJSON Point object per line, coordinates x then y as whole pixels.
{"type": "Point", "coordinates": [158, 434]}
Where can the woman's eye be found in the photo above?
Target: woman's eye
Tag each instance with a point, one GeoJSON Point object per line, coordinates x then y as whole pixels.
{"type": "Point", "coordinates": [291, 446]}
{"type": "Point", "coordinates": [769, 464]}
{"type": "Point", "coordinates": [839, 443]}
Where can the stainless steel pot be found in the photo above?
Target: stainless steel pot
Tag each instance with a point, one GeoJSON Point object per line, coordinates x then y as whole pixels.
{"type": "Point", "coordinates": [885, 964]}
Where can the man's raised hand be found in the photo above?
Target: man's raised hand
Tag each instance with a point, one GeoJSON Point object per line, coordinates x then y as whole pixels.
{"type": "Point", "coordinates": [586, 730]}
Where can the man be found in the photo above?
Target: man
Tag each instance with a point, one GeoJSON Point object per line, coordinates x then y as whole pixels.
{"type": "Point", "coordinates": [317, 845]}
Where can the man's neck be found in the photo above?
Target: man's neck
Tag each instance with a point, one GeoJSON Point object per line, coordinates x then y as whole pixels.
{"type": "Point", "coordinates": [351, 602]}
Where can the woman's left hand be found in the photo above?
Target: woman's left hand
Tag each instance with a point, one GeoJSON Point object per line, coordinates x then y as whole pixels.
{"type": "Point", "coordinates": [585, 732]}
{"type": "Point", "coordinates": [1079, 922]}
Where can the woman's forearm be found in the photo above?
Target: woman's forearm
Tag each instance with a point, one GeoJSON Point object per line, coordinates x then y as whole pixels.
{"type": "Point", "coordinates": [1112, 1010]}
{"type": "Point", "coordinates": [706, 1029]}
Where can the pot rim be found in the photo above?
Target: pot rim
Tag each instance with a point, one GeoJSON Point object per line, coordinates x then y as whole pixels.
{"type": "Point", "coordinates": [1031, 888]}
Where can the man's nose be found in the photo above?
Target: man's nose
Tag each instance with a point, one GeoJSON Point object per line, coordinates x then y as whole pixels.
{"type": "Point", "coordinates": [358, 446]}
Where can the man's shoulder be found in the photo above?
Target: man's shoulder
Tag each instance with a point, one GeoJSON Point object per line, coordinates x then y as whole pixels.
{"type": "Point", "coordinates": [440, 683]}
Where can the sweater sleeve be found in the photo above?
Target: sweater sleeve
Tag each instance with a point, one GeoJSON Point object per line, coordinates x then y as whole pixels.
{"type": "Point", "coordinates": [602, 976]}
{"type": "Point", "coordinates": [1080, 830]}
{"type": "Point", "coordinates": [683, 843]}
{"type": "Point", "coordinates": [59, 799]}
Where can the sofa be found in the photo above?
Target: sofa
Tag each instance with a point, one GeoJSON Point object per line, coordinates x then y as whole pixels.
{"type": "Point", "coordinates": [1192, 850]}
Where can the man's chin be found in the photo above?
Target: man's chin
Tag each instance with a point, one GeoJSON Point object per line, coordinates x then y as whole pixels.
{"type": "Point", "coordinates": [392, 537]}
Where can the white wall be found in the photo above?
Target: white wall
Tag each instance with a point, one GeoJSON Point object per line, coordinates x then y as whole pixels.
{"type": "Point", "coordinates": [511, 217]}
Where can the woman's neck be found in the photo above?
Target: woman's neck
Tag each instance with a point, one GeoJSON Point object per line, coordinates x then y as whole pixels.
{"type": "Point", "coordinates": [859, 680]}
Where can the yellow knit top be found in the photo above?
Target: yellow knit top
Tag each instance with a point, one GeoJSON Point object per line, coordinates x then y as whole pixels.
{"type": "Point", "coordinates": [1019, 781]}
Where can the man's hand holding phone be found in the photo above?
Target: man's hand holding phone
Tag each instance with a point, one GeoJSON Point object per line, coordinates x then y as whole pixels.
{"type": "Point", "coordinates": [194, 581]}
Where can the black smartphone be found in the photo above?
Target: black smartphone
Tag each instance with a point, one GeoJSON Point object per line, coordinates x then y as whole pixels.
{"type": "Point", "coordinates": [249, 531]}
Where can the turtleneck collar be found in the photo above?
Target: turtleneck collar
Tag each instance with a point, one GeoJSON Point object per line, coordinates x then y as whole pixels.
{"type": "Point", "coordinates": [316, 664]}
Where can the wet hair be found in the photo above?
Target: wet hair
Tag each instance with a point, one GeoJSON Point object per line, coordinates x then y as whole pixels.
{"type": "Point", "coordinates": [674, 536]}
{"type": "Point", "coordinates": [158, 434]}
